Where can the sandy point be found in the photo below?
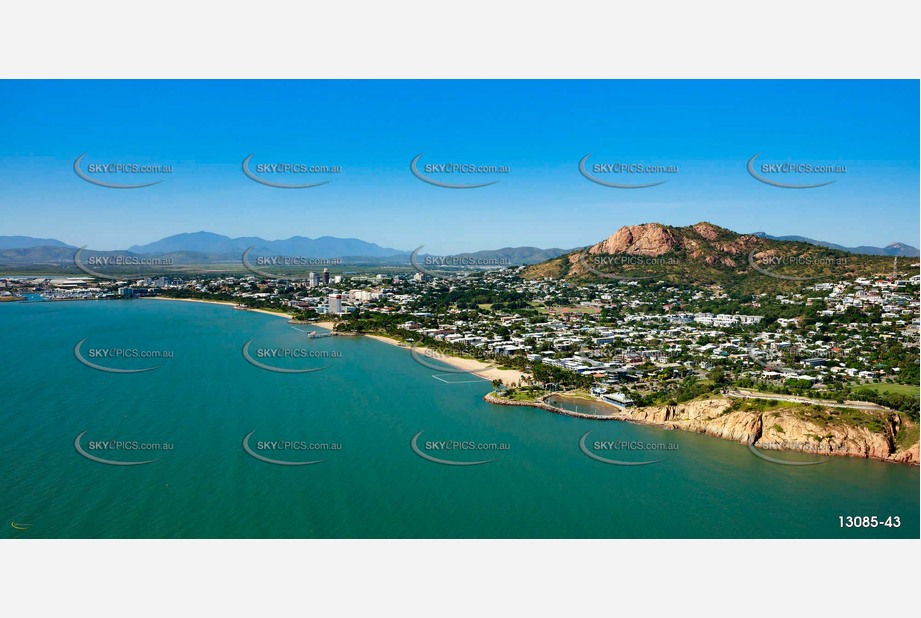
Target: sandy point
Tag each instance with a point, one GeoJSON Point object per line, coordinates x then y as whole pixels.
{"type": "Point", "coordinates": [222, 302]}
{"type": "Point", "coordinates": [508, 377]}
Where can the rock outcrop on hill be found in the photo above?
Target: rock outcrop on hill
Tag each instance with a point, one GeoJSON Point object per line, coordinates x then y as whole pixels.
{"type": "Point", "coordinates": [706, 254]}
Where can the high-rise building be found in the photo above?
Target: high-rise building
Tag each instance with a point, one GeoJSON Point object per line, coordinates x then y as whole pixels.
{"type": "Point", "coordinates": [335, 304]}
{"type": "Point", "coordinates": [325, 276]}
{"type": "Point", "coordinates": [313, 279]}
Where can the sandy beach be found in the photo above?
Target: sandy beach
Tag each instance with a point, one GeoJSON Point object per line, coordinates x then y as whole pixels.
{"type": "Point", "coordinates": [508, 376]}
{"type": "Point", "coordinates": [326, 325]}
{"type": "Point", "coordinates": [223, 302]}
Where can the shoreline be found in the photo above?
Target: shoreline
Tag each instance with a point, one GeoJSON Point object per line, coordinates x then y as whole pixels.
{"type": "Point", "coordinates": [543, 405]}
{"type": "Point", "coordinates": [467, 365]}
{"type": "Point", "coordinates": [324, 325]}
{"type": "Point", "coordinates": [226, 303]}
{"type": "Point", "coordinates": [708, 418]}
{"type": "Point", "coordinates": [704, 417]}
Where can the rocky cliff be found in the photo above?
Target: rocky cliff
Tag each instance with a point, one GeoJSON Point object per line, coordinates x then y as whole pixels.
{"type": "Point", "coordinates": [783, 429]}
{"type": "Point", "coordinates": [808, 429]}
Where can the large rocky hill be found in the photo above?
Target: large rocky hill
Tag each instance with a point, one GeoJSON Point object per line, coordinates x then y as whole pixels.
{"type": "Point", "coordinates": [706, 254]}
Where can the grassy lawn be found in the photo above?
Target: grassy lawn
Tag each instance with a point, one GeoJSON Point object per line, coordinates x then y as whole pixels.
{"type": "Point", "coordinates": [761, 405]}
{"type": "Point", "coordinates": [899, 389]}
{"type": "Point", "coordinates": [579, 394]}
{"type": "Point", "coordinates": [526, 395]}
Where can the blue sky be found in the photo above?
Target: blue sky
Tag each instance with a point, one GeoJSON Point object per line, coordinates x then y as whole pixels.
{"type": "Point", "coordinates": [372, 129]}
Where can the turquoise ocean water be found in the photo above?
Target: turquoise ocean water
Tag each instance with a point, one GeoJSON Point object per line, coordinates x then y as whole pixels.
{"type": "Point", "coordinates": [371, 399]}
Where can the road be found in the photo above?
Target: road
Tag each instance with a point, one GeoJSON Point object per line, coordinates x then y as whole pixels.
{"type": "Point", "coordinates": [857, 405]}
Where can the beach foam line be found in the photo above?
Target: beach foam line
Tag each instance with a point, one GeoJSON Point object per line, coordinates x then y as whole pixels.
{"type": "Point", "coordinates": [508, 376]}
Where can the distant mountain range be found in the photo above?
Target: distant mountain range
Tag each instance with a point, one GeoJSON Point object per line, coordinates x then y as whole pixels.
{"type": "Point", "coordinates": [209, 248]}
{"type": "Point", "coordinates": [518, 256]}
{"type": "Point", "coordinates": [218, 245]}
{"type": "Point", "coordinates": [328, 246]}
{"type": "Point", "coordinates": [897, 248]}
{"type": "Point", "coordinates": [27, 242]}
